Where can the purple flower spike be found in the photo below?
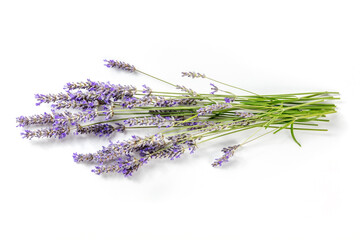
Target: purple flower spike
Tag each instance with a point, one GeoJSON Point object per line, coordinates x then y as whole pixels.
{"type": "Point", "coordinates": [210, 108]}
{"type": "Point", "coordinates": [54, 132]}
{"type": "Point", "coordinates": [100, 129]}
{"type": "Point", "coordinates": [193, 75]}
{"type": "Point", "coordinates": [228, 153]}
{"type": "Point", "coordinates": [45, 118]}
{"type": "Point", "coordinates": [120, 65]}
{"type": "Point", "coordinates": [188, 90]}
{"type": "Point", "coordinates": [244, 114]}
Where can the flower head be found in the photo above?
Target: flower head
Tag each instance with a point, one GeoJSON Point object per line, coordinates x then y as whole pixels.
{"type": "Point", "coordinates": [120, 65]}
{"type": "Point", "coordinates": [228, 152]}
{"type": "Point", "coordinates": [214, 107]}
{"type": "Point", "coordinates": [193, 75]}
{"type": "Point", "coordinates": [188, 90]}
{"type": "Point", "coordinates": [100, 129]}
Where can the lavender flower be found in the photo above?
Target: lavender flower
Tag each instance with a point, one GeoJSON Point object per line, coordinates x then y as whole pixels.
{"type": "Point", "coordinates": [163, 102]}
{"type": "Point", "coordinates": [119, 149]}
{"type": "Point", "coordinates": [154, 120]}
{"type": "Point", "coordinates": [179, 138]}
{"type": "Point", "coordinates": [193, 75]}
{"type": "Point", "coordinates": [61, 119]}
{"type": "Point", "coordinates": [62, 100]}
{"type": "Point", "coordinates": [120, 65]}
{"type": "Point", "coordinates": [171, 152]}
{"type": "Point", "coordinates": [131, 102]}
{"type": "Point", "coordinates": [198, 124]}
{"type": "Point", "coordinates": [188, 90]}
{"type": "Point", "coordinates": [83, 105]}
{"type": "Point", "coordinates": [54, 132]}
{"type": "Point", "coordinates": [47, 98]}
{"type": "Point", "coordinates": [101, 91]}
{"type": "Point", "coordinates": [228, 152]}
{"type": "Point", "coordinates": [45, 118]}
{"type": "Point", "coordinates": [119, 157]}
{"type": "Point", "coordinates": [214, 88]}
{"type": "Point", "coordinates": [88, 85]}
{"type": "Point", "coordinates": [125, 165]}
{"type": "Point", "coordinates": [214, 107]}
{"type": "Point", "coordinates": [244, 114]}
{"type": "Point", "coordinates": [100, 129]}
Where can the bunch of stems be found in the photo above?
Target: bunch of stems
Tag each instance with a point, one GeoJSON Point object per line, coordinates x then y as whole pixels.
{"type": "Point", "coordinates": [183, 117]}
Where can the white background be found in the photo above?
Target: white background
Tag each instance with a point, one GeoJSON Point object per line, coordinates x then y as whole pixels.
{"type": "Point", "coordinates": [272, 189]}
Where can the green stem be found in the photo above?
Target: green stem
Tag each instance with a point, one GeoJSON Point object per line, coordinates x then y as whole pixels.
{"type": "Point", "coordinates": [155, 78]}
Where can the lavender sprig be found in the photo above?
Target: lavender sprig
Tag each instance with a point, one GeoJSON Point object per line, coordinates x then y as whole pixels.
{"type": "Point", "coordinates": [157, 120]}
{"type": "Point", "coordinates": [54, 132]}
{"type": "Point", "coordinates": [120, 65]}
{"type": "Point", "coordinates": [193, 75]}
{"type": "Point", "coordinates": [45, 118]}
{"type": "Point", "coordinates": [228, 153]}
{"type": "Point", "coordinates": [188, 90]}
{"type": "Point", "coordinates": [213, 107]}
{"type": "Point", "coordinates": [100, 129]}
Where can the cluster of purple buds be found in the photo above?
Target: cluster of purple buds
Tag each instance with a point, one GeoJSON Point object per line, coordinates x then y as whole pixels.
{"type": "Point", "coordinates": [60, 122]}
{"type": "Point", "coordinates": [188, 90]}
{"type": "Point", "coordinates": [228, 153]}
{"type": "Point", "coordinates": [131, 102]}
{"type": "Point", "coordinates": [157, 120]}
{"type": "Point", "coordinates": [211, 108]}
{"type": "Point", "coordinates": [244, 114]}
{"type": "Point", "coordinates": [127, 156]}
{"type": "Point", "coordinates": [102, 90]}
{"type": "Point", "coordinates": [94, 94]}
{"type": "Point", "coordinates": [66, 118]}
{"type": "Point", "coordinates": [193, 75]}
{"type": "Point", "coordinates": [163, 102]}
{"type": "Point", "coordinates": [121, 148]}
{"type": "Point", "coordinates": [100, 129]}
{"type": "Point", "coordinates": [55, 118]}
{"type": "Point", "coordinates": [53, 132]}
{"type": "Point", "coordinates": [37, 119]}
{"type": "Point", "coordinates": [120, 65]}
{"type": "Point", "coordinates": [198, 124]}
{"type": "Point", "coordinates": [125, 165]}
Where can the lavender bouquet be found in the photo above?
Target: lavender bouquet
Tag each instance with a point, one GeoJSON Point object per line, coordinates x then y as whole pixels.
{"type": "Point", "coordinates": [183, 117]}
